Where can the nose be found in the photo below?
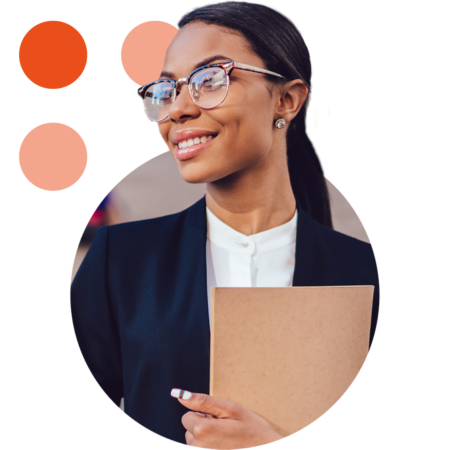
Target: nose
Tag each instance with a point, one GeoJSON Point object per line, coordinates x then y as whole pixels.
{"type": "Point", "coordinates": [183, 107]}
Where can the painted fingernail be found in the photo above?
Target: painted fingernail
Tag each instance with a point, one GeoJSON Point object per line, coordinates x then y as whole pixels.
{"type": "Point", "coordinates": [179, 393]}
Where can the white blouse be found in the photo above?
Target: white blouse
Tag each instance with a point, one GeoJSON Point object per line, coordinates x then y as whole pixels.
{"type": "Point", "coordinates": [265, 259]}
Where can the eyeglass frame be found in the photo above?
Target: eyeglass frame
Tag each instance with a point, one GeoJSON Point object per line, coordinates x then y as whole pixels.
{"type": "Point", "coordinates": [228, 67]}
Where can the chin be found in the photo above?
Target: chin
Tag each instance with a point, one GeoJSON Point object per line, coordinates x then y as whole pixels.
{"type": "Point", "coordinates": [196, 173]}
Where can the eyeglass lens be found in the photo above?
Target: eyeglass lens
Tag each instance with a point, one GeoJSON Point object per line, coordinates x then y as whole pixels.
{"type": "Point", "coordinates": [208, 88]}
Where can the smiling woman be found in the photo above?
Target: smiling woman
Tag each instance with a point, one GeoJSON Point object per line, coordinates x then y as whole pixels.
{"type": "Point", "coordinates": [247, 98]}
{"type": "Point", "coordinates": [231, 106]}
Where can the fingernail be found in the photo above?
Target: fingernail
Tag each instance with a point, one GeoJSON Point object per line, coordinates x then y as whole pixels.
{"type": "Point", "coordinates": [179, 393]}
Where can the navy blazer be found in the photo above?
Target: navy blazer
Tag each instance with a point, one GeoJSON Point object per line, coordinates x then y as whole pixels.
{"type": "Point", "coordinates": [140, 309]}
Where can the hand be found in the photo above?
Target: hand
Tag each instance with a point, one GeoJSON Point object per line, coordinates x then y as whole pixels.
{"type": "Point", "coordinates": [233, 426]}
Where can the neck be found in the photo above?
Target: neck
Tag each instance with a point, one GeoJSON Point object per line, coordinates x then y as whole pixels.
{"type": "Point", "coordinates": [254, 200]}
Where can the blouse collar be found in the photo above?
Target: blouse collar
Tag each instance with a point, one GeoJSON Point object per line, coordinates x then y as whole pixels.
{"type": "Point", "coordinates": [226, 237]}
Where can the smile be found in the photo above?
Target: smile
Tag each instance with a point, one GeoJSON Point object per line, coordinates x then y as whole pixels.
{"type": "Point", "coordinates": [195, 141]}
{"type": "Point", "coordinates": [190, 148]}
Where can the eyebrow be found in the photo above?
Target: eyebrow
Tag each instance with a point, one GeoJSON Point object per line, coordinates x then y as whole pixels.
{"type": "Point", "coordinates": [210, 59]}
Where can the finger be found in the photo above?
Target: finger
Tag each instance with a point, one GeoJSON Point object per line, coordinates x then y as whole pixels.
{"type": "Point", "coordinates": [189, 438]}
{"type": "Point", "coordinates": [202, 429]}
{"type": "Point", "coordinates": [190, 420]}
{"type": "Point", "coordinates": [207, 404]}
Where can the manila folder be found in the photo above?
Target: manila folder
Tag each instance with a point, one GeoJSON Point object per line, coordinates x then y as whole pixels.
{"type": "Point", "coordinates": [288, 354]}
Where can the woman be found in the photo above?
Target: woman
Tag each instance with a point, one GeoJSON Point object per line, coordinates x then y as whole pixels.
{"type": "Point", "coordinates": [140, 298]}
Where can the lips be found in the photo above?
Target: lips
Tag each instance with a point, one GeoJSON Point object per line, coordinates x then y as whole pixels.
{"type": "Point", "coordinates": [191, 151]}
{"type": "Point", "coordinates": [189, 143]}
{"type": "Point", "coordinates": [184, 135]}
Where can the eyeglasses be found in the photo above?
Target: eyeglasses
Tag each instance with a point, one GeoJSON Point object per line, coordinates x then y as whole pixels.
{"type": "Point", "coordinates": [208, 86]}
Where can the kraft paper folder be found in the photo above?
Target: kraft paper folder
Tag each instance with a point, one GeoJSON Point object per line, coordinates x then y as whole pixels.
{"type": "Point", "coordinates": [288, 354]}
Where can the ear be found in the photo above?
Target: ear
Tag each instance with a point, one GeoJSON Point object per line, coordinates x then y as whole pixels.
{"type": "Point", "coordinates": [291, 98]}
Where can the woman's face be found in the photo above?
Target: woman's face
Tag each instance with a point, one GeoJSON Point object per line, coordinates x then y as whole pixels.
{"type": "Point", "coordinates": [241, 127]}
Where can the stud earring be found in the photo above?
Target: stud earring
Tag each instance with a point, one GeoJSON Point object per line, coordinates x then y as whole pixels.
{"type": "Point", "coordinates": [280, 123]}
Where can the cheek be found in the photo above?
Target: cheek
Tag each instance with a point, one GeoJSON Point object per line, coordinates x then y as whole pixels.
{"type": "Point", "coordinates": [250, 125]}
{"type": "Point", "coordinates": [252, 137]}
{"type": "Point", "coordinates": [164, 131]}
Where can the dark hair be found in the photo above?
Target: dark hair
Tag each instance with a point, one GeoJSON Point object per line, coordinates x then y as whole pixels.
{"type": "Point", "coordinates": [276, 40]}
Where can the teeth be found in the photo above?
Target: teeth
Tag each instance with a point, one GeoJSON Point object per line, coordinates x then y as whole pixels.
{"type": "Point", "coordinates": [195, 141]}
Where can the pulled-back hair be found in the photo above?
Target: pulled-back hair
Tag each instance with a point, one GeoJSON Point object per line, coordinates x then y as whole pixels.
{"type": "Point", "coordinates": [276, 40]}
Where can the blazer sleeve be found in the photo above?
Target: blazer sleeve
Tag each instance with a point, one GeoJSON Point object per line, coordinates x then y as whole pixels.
{"type": "Point", "coordinates": [375, 309]}
{"type": "Point", "coordinates": [94, 318]}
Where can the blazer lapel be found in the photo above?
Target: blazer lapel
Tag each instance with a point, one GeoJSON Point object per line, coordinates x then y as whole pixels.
{"type": "Point", "coordinates": [306, 271]}
{"type": "Point", "coordinates": [197, 230]}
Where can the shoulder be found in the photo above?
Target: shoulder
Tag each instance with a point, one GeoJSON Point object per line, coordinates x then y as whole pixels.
{"type": "Point", "coordinates": [345, 252]}
{"type": "Point", "coordinates": [336, 240]}
{"type": "Point", "coordinates": [151, 229]}
{"type": "Point", "coordinates": [326, 240]}
{"type": "Point", "coordinates": [130, 230]}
